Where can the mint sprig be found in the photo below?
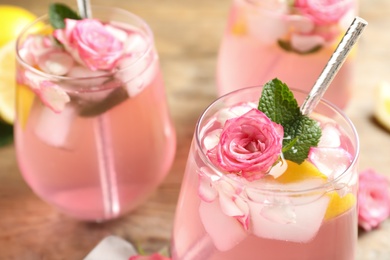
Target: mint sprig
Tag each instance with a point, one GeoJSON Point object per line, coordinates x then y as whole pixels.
{"type": "Point", "coordinates": [300, 132]}
{"type": "Point", "coordinates": [57, 14]}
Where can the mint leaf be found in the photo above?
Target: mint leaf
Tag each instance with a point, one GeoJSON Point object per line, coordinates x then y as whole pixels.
{"type": "Point", "coordinates": [278, 102]}
{"type": "Point", "coordinates": [300, 132]}
{"type": "Point", "coordinates": [57, 14]}
{"type": "Point", "coordinates": [306, 132]}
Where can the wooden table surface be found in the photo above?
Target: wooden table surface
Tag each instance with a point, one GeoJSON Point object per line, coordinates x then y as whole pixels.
{"type": "Point", "coordinates": [187, 35]}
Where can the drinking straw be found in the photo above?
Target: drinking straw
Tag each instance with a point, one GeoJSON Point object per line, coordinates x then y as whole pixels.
{"type": "Point", "coordinates": [334, 64]}
{"type": "Point", "coordinates": [107, 172]}
{"type": "Point", "coordinates": [84, 8]}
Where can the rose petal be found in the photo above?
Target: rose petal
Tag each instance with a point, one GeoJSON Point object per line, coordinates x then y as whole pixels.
{"type": "Point", "coordinates": [207, 191]}
{"type": "Point", "coordinates": [53, 96]}
{"type": "Point", "coordinates": [225, 232]}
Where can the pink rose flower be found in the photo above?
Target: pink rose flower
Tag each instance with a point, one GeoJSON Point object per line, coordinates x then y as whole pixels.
{"type": "Point", "coordinates": [323, 12]}
{"type": "Point", "coordinates": [373, 199]}
{"type": "Point", "coordinates": [90, 43]}
{"type": "Point", "coordinates": [249, 145]}
{"type": "Point", "coordinates": [155, 256]}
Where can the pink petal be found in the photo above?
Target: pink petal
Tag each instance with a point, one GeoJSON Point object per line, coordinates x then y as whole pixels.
{"type": "Point", "coordinates": [225, 232]}
{"type": "Point", "coordinates": [53, 96]}
{"type": "Point", "coordinates": [206, 190]}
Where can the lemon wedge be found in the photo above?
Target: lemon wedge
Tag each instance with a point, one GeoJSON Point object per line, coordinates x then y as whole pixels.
{"type": "Point", "coordinates": [299, 172]}
{"type": "Point", "coordinates": [14, 19]}
{"type": "Point", "coordinates": [7, 82]}
{"type": "Point", "coordinates": [382, 104]}
{"type": "Point", "coordinates": [338, 205]}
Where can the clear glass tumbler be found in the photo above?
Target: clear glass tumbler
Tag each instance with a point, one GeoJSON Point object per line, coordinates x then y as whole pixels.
{"type": "Point", "coordinates": [308, 212]}
{"type": "Point", "coordinates": [291, 40]}
{"type": "Point", "coordinates": [93, 141]}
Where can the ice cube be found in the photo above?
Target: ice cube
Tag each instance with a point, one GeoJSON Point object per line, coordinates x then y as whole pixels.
{"type": "Point", "coordinates": [305, 43]}
{"type": "Point", "coordinates": [330, 161]}
{"type": "Point", "coordinates": [288, 222]}
{"type": "Point", "coordinates": [282, 213]}
{"type": "Point", "coordinates": [113, 248]}
{"type": "Point", "coordinates": [136, 76]}
{"type": "Point", "coordinates": [118, 33]}
{"type": "Point", "coordinates": [136, 43]}
{"type": "Point", "coordinates": [53, 128]}
{"type": "Point", "coordinates": [95, 78]}
{"type": "Point", "coordinates": [96, 93]}
{"type": "Point", "coordinates": [330, 136]}
{"type": "Point", "coordinates": [226, 232]}
{"type": "Point", "coordinates": [56, 62]}
{"type": "Point", "coordinates": [234, 111]}
{"type": "Point", "coordinates": [96, 103]}
{"type": "Point", "coordinates": [212, 139]}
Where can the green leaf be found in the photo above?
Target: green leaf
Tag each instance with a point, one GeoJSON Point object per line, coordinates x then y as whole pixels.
{"type": "Point", "coordinates": [306, 132]}
{"type": "Point", "coordinates": [57, 14]}
{"type": "Point", "coordinates": [278, 102]}
{"type": "Point", "coordinates": [300, 132]}
{"type": "Point", "coordinates": [6, 134]}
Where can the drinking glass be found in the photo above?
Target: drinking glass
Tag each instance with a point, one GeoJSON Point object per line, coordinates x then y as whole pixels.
{"type": "Point", "coordinates": [92, 143]}
{"type": "Point", "coordinates": [306, 214]}
{"type": "Point", "coordinates": [291, 40]}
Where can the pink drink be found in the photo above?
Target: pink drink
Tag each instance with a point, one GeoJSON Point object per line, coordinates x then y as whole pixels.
{"type": "Point", "coordinates": [250, 54]}
{"type": "Point", "coordinates": [113, 142]}
{"type": "Point", "coordinates": [294, 219]}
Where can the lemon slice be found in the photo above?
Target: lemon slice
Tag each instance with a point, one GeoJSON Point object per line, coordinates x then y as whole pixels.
{"type": "Point", "coordinates": [296, 173]}
{"type": "Point", "coordinates": [338, 205]}
{"type": "Point", "coordinates": [382, 104]}
{"type": "Point", "coordinates": [7, 82]}
{"type": "Point", "coordinates": [300, 172]}
{"type": "Point", "coordinates": [13, 20]}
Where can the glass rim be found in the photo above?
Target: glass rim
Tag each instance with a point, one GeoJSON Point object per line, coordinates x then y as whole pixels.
{"type": "Point", "coordinates": [324, 186]}
{"type": "Point", "coordinates": [44, 18]}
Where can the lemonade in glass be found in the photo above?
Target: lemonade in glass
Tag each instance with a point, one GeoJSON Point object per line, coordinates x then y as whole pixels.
{"type": "Point", "coordinates": [263, 181]}
{"type": "Point", "coordinates": [291, 40]}
{"type": "Point", "coordinates": [93, 132]}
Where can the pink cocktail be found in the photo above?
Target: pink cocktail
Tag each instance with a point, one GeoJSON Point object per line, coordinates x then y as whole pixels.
{"type": "Point", "coordinates": [291, 40]}
{"type": "Point", "coordinates": [291, 211]}
{"type": "Point", "coordinates": [93, 142]}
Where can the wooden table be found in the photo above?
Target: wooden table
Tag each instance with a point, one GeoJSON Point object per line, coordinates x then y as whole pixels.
{"type": "Point", "coordinates": [187, 37]}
